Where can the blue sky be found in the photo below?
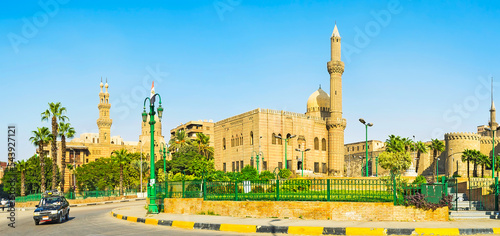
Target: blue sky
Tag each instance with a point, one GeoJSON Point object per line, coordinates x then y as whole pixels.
{"type": "Point", "coordinates": [411, 68]}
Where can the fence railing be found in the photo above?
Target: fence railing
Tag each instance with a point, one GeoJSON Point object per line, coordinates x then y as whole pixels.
{"type": "Point", "coordinates": [80, 195]}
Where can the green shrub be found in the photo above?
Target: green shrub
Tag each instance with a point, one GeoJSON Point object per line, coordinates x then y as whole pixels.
{"type": "Point", "coordinates": [266, 175]}
{"type": "Point", "coordinates": [420, 180]}
{"type": "Point", "coordinates": [285, 173]}
{"type": "Point", "coordinates": [295, 185]}
{"type": "Point", "coordinates": [257, 189]}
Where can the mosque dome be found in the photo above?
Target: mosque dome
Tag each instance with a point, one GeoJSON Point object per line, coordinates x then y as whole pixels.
{"type": "Point", "coordinates": [318, 101]}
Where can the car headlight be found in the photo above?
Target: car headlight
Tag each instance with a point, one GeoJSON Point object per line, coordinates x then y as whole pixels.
{"type": "Point", "coordinates": [53, 212]}
{"type": "Point", "coordinates": [36, 213]}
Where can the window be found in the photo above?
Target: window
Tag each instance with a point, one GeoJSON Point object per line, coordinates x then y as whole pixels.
{"type": "Point", "coordinates": [241, 166]}
{"type": "Point", "coordinates": [241, 139]}
{"type": "Point", "coordinates": [233, 167]}
{"type": "Point", "coordinates": [251, 163]}
{"type": "Point", "coordinates": [323, 144]}
{"type": "Point", "coordinates": [358, 148]}
{"type": "Point", "coordinates": [316, 167]}
{"type": "Point", "coordinates": [224, 167]}
{"type": "Point", "coordinates": [224, 143]}
{"type": "Point", "coordinates": [87, 160]}
{"type": "Point", "coordinates": [323, 168]}
{"type": "Point", "coordinates": [316, 143]}
{"type": "Point", "coordinates": [289, 164]}
{"type": "Point", "coordinates": [264, 165]}
{"type": "Point", "coordinates": [273, 138]}
{"type": "Point", "coordinates": [237, 166]}
{"type": "Point", "coordinates": [251, 138]}
{"type": "Point", "coordinates": [280, 165]}
{"type": "Point", "coordinates": [280, 141]}
{"type": "Point", "coordinates": [232, 141]}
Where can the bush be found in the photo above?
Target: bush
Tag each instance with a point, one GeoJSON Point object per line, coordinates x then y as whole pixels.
{"type": "Point", "coordinates": [257, 189]}
{"type": "Point", "coordinates": [285, 173]}
{"type": "Point", "coordinates": [419, 201]}
{"type": "Point", "coordinates": [266, 175]}
{"type": "Point", "coordinates": [420, 180]}
{"type": "Point", "coordinates": [296, 185]}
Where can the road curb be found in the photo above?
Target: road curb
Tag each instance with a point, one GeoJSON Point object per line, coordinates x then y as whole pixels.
{"type": "Point", "coordinates": [307, 230]}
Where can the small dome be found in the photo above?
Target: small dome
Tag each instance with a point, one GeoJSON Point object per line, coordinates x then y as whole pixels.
{"type": "Point", "coordinates": [318, 99]}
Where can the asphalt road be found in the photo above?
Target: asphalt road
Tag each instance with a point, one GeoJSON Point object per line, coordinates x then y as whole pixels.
{"type": "Point", "coordinates": [94, 220]}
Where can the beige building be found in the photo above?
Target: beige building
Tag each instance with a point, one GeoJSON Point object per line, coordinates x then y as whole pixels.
{"type": "Point", "coordinates": [91, 146]}
{"type": "Point", "coordinates": [194, 127]}
{"type": "Point", "coordinates": [320, 129]}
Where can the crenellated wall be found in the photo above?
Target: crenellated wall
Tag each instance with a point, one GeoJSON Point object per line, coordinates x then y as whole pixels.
{"type": "Point", "coordinates": [456, 143]}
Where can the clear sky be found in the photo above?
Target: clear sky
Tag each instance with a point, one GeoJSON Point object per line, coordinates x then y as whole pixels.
{"type": "Point", "coordinates": [411, 68]}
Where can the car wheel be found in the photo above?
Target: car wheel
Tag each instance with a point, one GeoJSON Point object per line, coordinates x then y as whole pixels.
{"type": "Point", "coordinates": [60, 218]}
{"type": "Point", "coordinates": [67, 216]}
{"type": "Point", "coordinates": [37, 222]}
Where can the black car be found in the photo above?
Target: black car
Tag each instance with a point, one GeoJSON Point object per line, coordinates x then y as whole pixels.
{"type": "Point", "coordinates": [52, 207]}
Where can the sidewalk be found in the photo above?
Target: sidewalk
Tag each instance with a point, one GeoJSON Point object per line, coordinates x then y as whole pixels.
{"type": "Point", "coordinates": [307, 227]}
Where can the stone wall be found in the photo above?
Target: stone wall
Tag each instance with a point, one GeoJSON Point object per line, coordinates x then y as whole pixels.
{"type": "Point", "coordinates": [338, 211]}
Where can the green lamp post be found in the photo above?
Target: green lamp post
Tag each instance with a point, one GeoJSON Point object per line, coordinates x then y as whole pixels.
{"type": "Point", "coordinates": [286, 149]}
{"type": "Point", "coordinates": [366, 143]}
{"type": "Point", "coordinates": [152, 207]}
{"type": "Point", "coordinates": [165, 152]}
{"type": "Point", "coordinates": [258, 156]}
{"type": "Point", "coordinates": [302, 165]}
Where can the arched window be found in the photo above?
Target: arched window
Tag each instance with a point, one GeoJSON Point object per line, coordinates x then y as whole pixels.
{"type": "Point", "coordinates": [224, 143]}
{"type": "Point", "coordinates": [273, 138]}
{"type": "Point", "coordinates": [241, 139]}
{"type": "Point", "coordinates": [280, 141]}
{"type": "Point", "coordinates": [316, 143]}
{"type": "Point", "coordinates": [323, 144]}
{"type": "Point", "coordinates": [251, 137]}
{"type": "Point", "coordinates": [232, 141]}
{"type": "Point", "coordinates": [237, 141]}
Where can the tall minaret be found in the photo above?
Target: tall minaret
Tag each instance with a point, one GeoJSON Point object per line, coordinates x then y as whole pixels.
{"type": "Point", "coordinates": [335, 123]}
{"type": "Point", "coordinates": [493, 113]}
{"type": "Point", "coordinates": [104, 122]}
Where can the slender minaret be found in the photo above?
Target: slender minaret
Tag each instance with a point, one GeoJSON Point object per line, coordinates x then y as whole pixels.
{"type": "Point", "coordinates": [335, 123]}
{"type": "Point", "coordinates": [493, 113]}
{"type": "Point", "coordinates": [104, 122]}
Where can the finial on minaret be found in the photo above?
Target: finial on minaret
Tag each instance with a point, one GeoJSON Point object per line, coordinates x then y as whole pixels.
{"type": "Point", "coordinates": [101, 85]}
{"type": "Point", "coordinates": [493, 116]}
{"type": "Point", "coordinates": [319, 86]}
{"type": "Point", "coordinates": [106, 85]}
{"type": "Point", "coordinates": [335, 31]}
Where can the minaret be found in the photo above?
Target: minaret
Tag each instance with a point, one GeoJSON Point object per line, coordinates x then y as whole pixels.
{"type": "Point", "coordinates": [104, 122]}
{"type": "Point", "coordinates": [335, 123]}
{"type": "Point", "coordinates": [493, 113]}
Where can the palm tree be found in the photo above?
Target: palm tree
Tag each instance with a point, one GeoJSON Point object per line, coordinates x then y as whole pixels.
{"type": "Point", "coordinates": [136, 164]}
{"type": "Point", "coordinates": [421, 148]}
{"type": "Point", "coordinates": [65, 131]}
{"type": "Point", "coordinates": [436, 146]}
{"type": "Point", "coordinates": [121, 157]}
{"type": "Point", "coordinates": [56, 111]}
{"type": "Point", "coordinates": [22, 166]}
{"type": "Point", "coordinates": [484, 161]}
{"type": "Point", "coordinates": [394, 144]}
{"type": "Point", "coordinates": [408, 144]}
{"type": "Point", "coordinates": [40, 137]}
{"type": "Point", "coordinates": [469, 156]}
{"type": "Point", "coordinates": [203, 141]}
{"type": "Point", "coordinates": [179, 140]}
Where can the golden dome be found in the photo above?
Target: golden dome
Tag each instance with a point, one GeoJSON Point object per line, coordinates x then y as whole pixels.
{"type": "Point", "coordinates": [318, 101]}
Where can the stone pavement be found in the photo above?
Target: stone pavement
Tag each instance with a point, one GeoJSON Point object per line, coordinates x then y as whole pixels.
{"type": "Point", "coordinates": [308, 227]}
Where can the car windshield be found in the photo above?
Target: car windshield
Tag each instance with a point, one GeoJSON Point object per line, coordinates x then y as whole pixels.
{"type": "Point", "coordinates": [50, 201]}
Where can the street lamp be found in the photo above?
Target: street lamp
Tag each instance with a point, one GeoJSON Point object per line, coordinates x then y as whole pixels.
{"type": "Point", "coordinates": [286, 141]}
{"type": "Point", "coordinates": [493, 149]}
{"type": "Point", "coordinates": [366, 143]}
{"type": "Point", "coordinates": [302, 165]}
{"type": "Point", "coordinates": [165, 151]}
{"type": "Point", "coordinates": [74, 166]}
{"type": "Point", "coordinates": [258, 155]}
{"type": "Point", "coordinates": [152, 207]}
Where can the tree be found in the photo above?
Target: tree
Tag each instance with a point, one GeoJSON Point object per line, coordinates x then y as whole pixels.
{"type": "Point", "coordinates": [395, 162]}
{"type": "Point", "coordinates": [408, 144]}
{"type": "Point", "coordinates": [136, 165]}
{"type": "Point", "coordinates": [436, 146]}
{"type": "Point", "coordinates": [22, 166]}
{"type": "Point", "coordinates": [56, 111]}
{"type": "Point", "coordinates": [40, 137]}
{"type": "Point", "coordinates": [249, 173]}
{"type": "Point", "coordinates": [121, 157]}
{"type": "Point", "coordinates": [65, 131]}
{"type": "Point", "coordinates": [420, 148]}
{"type": "Point", "coordinates": [468, 156]}
{"type": "Point", "coordinates": [179, 140]}
{"type": "Point", "coordinates": [202, 141]}
{"type": "Point", "coordinates": [484, 161]}
{"type": "Point", "coordinates": [394, 144]}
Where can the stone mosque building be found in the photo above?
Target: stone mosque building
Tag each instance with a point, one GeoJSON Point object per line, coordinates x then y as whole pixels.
{"type": "Point", "coordinates": [91, 146]}
{"type": "Point", "coordinates": [320, 129]}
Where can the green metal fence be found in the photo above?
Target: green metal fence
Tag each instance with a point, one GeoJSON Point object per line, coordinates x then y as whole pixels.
{"type": "Point", "coordinates": [354, 190]}
{"type": "Point", "coordinates": [80, 195]}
